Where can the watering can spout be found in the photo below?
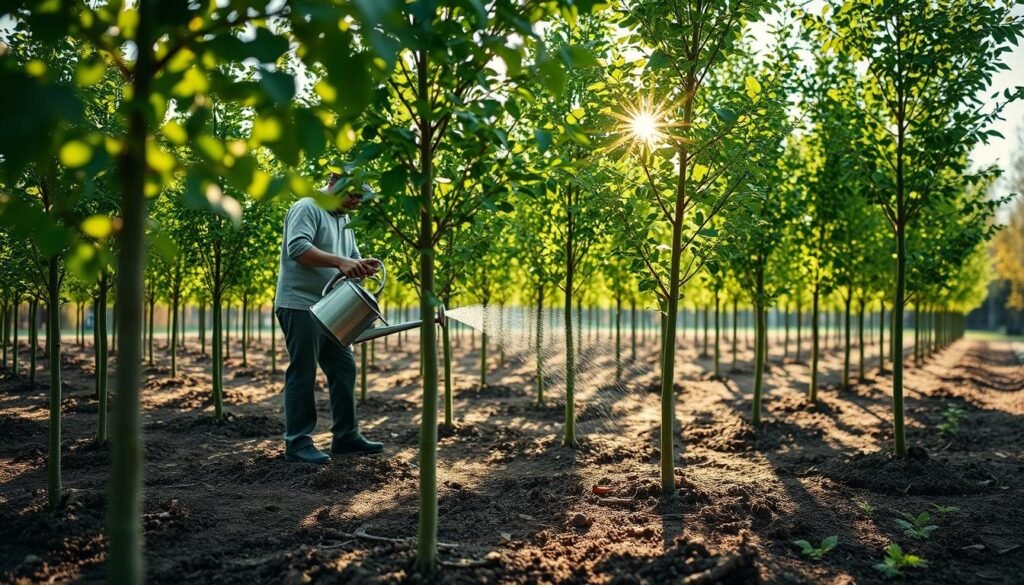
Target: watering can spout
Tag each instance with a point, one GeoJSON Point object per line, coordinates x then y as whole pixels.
{"type": "Point", "coordinates": [375, 332]}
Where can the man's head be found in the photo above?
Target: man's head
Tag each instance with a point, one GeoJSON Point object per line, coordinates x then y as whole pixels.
{"type": "Point", "coordinates": [351, 192]}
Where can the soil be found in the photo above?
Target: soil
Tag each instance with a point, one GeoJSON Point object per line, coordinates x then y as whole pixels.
{"type": "Point", "coordinates": [516, 506]}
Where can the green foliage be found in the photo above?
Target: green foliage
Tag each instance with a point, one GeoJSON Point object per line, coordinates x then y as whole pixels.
{"type": "Point", "coordinates": [896, 562]}
{"type": "Point", "coordinates": [817, 552]}
{"type": "Point", "coordinates": [952, 417]}
{"type": "Point", "coordinates": [866, 507]}
{"type": "Point", "coordinates": [919, 527]}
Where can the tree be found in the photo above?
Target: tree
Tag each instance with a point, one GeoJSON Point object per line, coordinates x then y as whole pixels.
{"type": "Point", "coordinates": [694, 154]}
{"type": "Point", "coordinates": [926, 64]}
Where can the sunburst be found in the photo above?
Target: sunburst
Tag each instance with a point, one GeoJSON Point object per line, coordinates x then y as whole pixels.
{"type": "Point", "coordinates": [643, 125]}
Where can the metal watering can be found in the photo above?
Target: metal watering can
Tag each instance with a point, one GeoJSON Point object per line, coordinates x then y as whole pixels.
{"type": "Point", "coordinates": [346, 312]}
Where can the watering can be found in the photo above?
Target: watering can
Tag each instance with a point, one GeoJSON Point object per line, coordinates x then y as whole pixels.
{"type": "Point", "coordinates": [346, 312]}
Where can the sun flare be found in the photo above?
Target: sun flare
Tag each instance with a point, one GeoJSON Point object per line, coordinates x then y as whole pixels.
{"type": "Point", "coordinates": [642, 125]}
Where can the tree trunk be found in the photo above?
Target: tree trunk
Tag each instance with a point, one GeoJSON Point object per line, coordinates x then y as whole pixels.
{"type": "Point", "coordinates": [860, 339]}
{"type": "Point", "coordinates": [426, 557]}
{"type": "Point", "coordinates": [217, 364]}
{"type": "Point", "coordinates": [846, 337]}
{"type": "Point", "coordinates": [449, 398]}
{"type": "Point", "coordinates": [173, 337]}
{"type": "Point", "coordinates": [718, 334]}
{"type": "Point", "coordinates": [53, 353]}
{"type": "Point", "coordinates": [899, 438]}
{"type": "Point", "coordinates": [881, 338]}
{"type": "Point", "coordinates": [483, 349]}
{"type": "Point", "coordinates": [33, 340]}
{"type": "Point", "coordinates": [812, 390]}
{"type": "Point", "coordinates": [704, 352]}
{"type": "Point", "coordinates": [632, 332]}
{"type": "Point", "coordinates": [152, 310]}
{"type": "Point", "coordinates": [245, 329]}
{"type": "Point", "coordinates": [761, 320]}
{"type": "Point", "coordinates": [618, 335]}
{"type": "Point", "coordinates": [735, 323]}
{"type": "Point", "coordinates": [785, 342]}
{"type": "Point", "coordinates": [101, 359]}
{"type": "Point", "coordinates": [799, 325]}
{"type": "Point", "coordinates": [570, 354]}
{"type": "Point", "coordinates": [540, 344]}
{"type": "Point", "coordinates": [14, 360]}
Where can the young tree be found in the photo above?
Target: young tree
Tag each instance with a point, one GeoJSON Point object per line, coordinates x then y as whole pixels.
{"type": "Point", "coordinates": [926, 64]}
{"type": "Point", "coordinates": [695, 154]}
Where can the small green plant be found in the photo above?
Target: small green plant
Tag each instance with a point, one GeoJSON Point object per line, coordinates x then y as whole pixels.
{"type": "Point", "coordinates": [809, 550]}
{"type": "Point", "coordinates": [944, 509]}
{"type": "Point", "coordinates": [866, 508]}
{"type": "Point", "coordinates": [953, 415]}
{"type": "Point", "coordinates": [896, 561]}
{"type": "Point", "coordinates": [919, 527]}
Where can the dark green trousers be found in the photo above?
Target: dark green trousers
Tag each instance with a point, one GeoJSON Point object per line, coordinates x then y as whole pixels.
{"type": "Point", "coordinates": [307, 348]}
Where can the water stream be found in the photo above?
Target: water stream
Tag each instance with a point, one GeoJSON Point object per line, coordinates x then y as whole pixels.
{"type": "Point", "coordinates": [514, 329]}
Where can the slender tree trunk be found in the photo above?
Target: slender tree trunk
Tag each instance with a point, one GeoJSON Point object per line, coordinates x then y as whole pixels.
{"type": "Point", "coordinates": [881, 338]}
{"type": "Point", "coordinates": [426, 557]}
{"type": "Point", "coordinates": [761, 320]}
{"type": "Point", "coordinates": [202, 328]}
{"type": "Point", "coordinates": [846, 344]}
{"type": "Point", "coordinates": [245, 329]}
{"type": "Point", "coordinates": [917, 334]}
{"type": "Point", "coordinates": [899, 437]}
{"type": "Point", "coordinates": [217, 363]}
{"type": "Point", "coordinates": [570, 354]}
{"type": "Point", "coordinates": [449, 398]}
{"type": "Point", "coordinates": [799, 326]}
{"type": "Point", "coordinates": [540, 344]}
{"type": "Point", "coordinates": [618, 335]}
{"type": "Point", "coordinates": [812, 391]}
{"type": "Point", "coordinates": [860, 339]}
{"type": "Point", "coordinates": [171, 339]}
{"type": "Point", "coordinates": [101, 359]}
{"type": "Point", "coordinates": [704, 352]}
{"type": "Point", "coordinates": [53, 353]}
{"type": "Point", "coordinates": [718, 335]}
{"type": "Point", "coordinates": [14, 360]}
{"type": "Point", "coordinates": [785, 342]}
{"type": "Point", "coordinates": [632, 327]}
{"type": "Point", "coordinates": [152, 310]}
{"type": "Point", "coordinates": [483, 349]}
{"type": "Point", "coordinates": [33, 340]}
{"type": "Point", "coordinates": [226, 330]}
{"type": "Point", "coordinates": [735, 323]}
{"type": "Point", "coordinates": [5, 317]}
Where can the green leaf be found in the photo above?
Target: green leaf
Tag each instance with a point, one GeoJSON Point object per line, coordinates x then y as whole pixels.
{"type": "Point", "coordinates": [392, 181]}
{"type": "Point", "coordinates": [279, 86]}
{"type": "Point", "coordinates": [543, 138]}
{"type": "Point", "coordinates": [552, 76]}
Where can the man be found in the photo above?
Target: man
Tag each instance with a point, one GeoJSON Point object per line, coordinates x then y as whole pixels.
{"type": "Point", "coordinates": [316, 245]}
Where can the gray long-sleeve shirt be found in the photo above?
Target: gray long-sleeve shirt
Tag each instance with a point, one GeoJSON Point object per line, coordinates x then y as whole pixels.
{"type": "Point", "coordinates": [306, 225]}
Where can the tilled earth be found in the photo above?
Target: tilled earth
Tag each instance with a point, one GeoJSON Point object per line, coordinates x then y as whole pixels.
{"type": "Point", "coordinates": [516, 506]}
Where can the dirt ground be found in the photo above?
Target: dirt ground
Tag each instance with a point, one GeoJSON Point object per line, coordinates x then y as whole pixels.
{"type": "Point", "coordinates": [222, 505]}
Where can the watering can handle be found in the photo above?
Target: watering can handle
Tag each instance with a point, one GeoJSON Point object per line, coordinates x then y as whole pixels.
{"type": "Point", "coordinates": [383, 279]}
{"type": "Point", "coordinates": [339, 277]}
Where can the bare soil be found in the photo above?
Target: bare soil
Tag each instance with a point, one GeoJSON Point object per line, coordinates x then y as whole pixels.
{"type": "Point", "coordinates": [222, 505]}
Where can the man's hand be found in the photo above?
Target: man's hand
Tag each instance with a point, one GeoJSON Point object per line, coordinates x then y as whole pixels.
{"type": "Point", "coordinates": [354, 268]}
{"type": "Point", "coordinates": [372, 264]}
